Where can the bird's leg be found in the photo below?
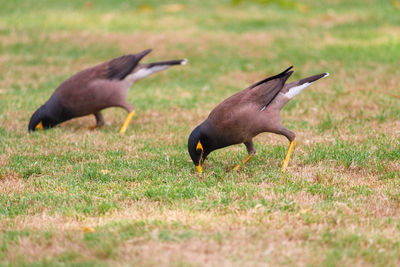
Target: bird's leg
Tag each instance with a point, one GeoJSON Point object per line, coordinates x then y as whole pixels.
{"type": "Point", "coordinates": [251, 150]}
{"type": "Point", "coordinates": [99, 121]}
{"type": "Point", "coordinates": [243, 162]}
{"type": "Point", "coordinates": [128, 119]}
{"type": "Point", "coordinates": [290, 136]}
{"type": "Point", "coordinates": [287, 157]}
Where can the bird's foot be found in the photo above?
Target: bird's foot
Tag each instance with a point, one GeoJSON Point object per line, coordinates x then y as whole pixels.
{"type": "Point", "coordinates": [94, 127]}
{"type": "Point", "coordinates": [243, 162]}
{"type": "Point", "coordinates": [237, 167]}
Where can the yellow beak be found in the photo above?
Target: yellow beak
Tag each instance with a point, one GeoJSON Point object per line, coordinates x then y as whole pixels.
{"type": "Point", "coordinates": [199, 168]}
{"type": "Point", "coordinates": [39, 126]}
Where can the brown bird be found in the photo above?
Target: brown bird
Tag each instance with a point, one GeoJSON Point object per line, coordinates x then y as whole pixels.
{"type": "Point", "coordinates": [246, 114]}
{"type": "Point", "coordinates": [94, 89]}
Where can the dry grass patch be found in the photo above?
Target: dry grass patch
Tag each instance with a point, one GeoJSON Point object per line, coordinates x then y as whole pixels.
{"type": "Point", "coordinates": [248, 44]}
{"type": "Point", "coordinates": [281, 240]}
{"type": "Point", "coordinates": [333, 19]}
{"type": "Point", "coordinates": [11, 183]}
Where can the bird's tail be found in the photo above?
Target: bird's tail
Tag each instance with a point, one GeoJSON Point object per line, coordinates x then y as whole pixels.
{"type": "Point", "coordinates": [168, 63]}
{"type": "Point", "coordinates": [144, 70]}
{"type": "Point", "coordinates": [290, 90]}
{"type": "Point", "coordinates": [36, 118]}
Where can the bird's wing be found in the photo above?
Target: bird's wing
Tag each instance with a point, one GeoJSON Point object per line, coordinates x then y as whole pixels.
{"type": "Point", "coordinates": [225, 108]}
{"type": "Point", "coordinates": [86, 82]}
{"type": "Point", "coordinates": [257, 96]}
{"type": "Point", "coordinates": [118, 68]}
{"type": "Point", "coordinates": [263, 92]}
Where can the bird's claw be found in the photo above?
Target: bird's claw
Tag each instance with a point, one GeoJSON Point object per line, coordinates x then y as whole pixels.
{"type": "Point", "coordinates": [237, 167]}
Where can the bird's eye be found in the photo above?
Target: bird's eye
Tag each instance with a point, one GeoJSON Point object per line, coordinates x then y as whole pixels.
{"type": "Point", "coordinates": [199, 148]}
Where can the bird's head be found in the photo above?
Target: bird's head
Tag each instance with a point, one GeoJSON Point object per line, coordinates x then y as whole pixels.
{"type": "Point", "coordinates": [40, 120]}
{"type": "Point", "coordinates": [196, 149]}
{"type": "Point", "coordinates": [200, 144]}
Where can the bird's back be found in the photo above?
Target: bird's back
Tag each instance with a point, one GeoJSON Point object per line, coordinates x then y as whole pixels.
{"type": "Point", "coordinates": [96, 88]}
{"type": "Point", "coordinates": [239, 113]}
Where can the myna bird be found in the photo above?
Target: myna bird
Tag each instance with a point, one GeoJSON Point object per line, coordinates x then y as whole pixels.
{"type": "Point", "coordinates": [246, 114]}
{"type": "Point", "coordinates": [96, 88]}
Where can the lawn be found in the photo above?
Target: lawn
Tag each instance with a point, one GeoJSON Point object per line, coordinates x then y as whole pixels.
{"type": "Point", "coordinates": [72, 196]}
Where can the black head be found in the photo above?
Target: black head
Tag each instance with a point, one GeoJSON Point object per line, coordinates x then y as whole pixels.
{"type": "Point", "coordinates": [196, 149]}
{"type": "Point", "coordinates": [36, 120]}
{"type": "Point", "coordinates": [49, 115]}
{"type": "Point", "coordinates": [41, 119]}
{"type": "Point", "coordinates": [200, 144]}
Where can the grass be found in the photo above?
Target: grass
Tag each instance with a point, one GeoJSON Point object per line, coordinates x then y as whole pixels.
{"type": "Point", "coordinates": [70, 196]}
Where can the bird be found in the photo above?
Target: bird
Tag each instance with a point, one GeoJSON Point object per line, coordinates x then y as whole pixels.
{"type": "Point", "coordinates": [94, 89]}
{"type": "Point", "coordinates": [244, 115]}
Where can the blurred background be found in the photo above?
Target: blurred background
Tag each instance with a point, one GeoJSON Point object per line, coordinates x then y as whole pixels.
{"type": "Point", "coordinates": [230, 44]}
{"type": "Point", "coordinates": [222, 37]}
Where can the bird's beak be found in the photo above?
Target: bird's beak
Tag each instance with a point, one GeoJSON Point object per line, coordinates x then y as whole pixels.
{"type": "Point", "coordinates": [199, 168]}
{"type": "Point", "coordinates": [39, 126]}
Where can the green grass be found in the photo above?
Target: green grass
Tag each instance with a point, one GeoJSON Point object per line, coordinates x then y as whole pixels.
{"type": "Point", "coordinates": [70, 196]}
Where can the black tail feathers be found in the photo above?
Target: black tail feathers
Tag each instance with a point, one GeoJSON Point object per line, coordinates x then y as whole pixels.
{"type": "Point", "coordinates": [168, 63]}
{"type": "Point", "coordinates": [313, 78]}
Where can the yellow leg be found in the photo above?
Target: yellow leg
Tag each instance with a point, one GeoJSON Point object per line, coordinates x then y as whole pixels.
{"type": "Point", "coordinates": [127, 121]}
{"type": "Point", "coordinates": [289, 152]}
{"type": "Point", "coordinates": [243, 162]}
{"type": "Point", "coordinates": [39, 126]}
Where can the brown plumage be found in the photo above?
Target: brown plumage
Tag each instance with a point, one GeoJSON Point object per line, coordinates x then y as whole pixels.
{"type": "Point", "coordinates": [246, 114]}
{"type": "Point", "coordinates": [96, 88]}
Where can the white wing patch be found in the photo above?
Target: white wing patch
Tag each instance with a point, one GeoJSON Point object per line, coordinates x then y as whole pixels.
{"type": "Point", "coordinates": [140, 74]}
{"type": "Point", "coordinates": [296, 90]}
{"type": "Point", "coordinates": [184, 61]}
